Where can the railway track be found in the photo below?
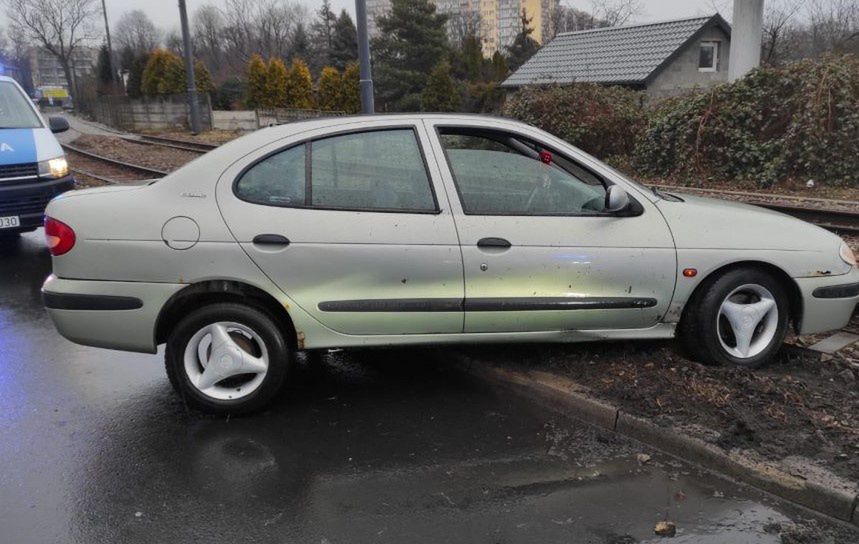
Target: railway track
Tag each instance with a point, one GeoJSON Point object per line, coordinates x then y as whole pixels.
{"type": "Point", "coordinates": [174, 143]}
{"type": "Point", "coordinates": [106, 169]}
{"type": "Point", "coordinates": [842, 221]}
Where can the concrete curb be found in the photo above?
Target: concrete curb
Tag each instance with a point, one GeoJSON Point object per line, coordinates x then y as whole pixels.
{"type": "Point", "coordinates": [569, 398]}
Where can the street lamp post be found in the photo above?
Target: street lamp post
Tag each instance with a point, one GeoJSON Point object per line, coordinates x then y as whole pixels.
{"type": "Point", "coordinates": [193, 100]}
{"type": "Point", "coordinates": [366, 83]}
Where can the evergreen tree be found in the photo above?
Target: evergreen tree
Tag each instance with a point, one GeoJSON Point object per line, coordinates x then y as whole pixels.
{"type": "Point", "coordinates": [322, 32]}
{"type": "Point", "coordinates": [299, 86]}
{"type": "Point", "coordinates": [500, 70]}
{"type": "Point", "coordinates": [203, 78]}
{"type": "Point", "coordinates": [344, 42]}
{"type": "Point", "coordinates": [164, 74]}
{"type": "Point", "coordinates": [257, 77]}
{"type": "Point", "coordinates": [440, 93]}
{"type": "Point", "coordinates": [523, 46]}
{"type": "Point", "coordinates": [299, 46]}
{"type": "Point", "coordinates": [413, 39]}
{"type": "Point", "coordinates": [135, 75]}
{"type": "Point", "coordinates": [104, 73]}
{"type": "Point", "coordinates": [275, 84]}
{"type": "Point", "coordinates": [350, 94]}
{"type": "Point", "coordinates": [329, 89]}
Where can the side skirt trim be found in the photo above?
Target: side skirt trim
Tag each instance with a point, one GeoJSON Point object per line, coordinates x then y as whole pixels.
{"type": "Point", "coordinates": [510, 304]}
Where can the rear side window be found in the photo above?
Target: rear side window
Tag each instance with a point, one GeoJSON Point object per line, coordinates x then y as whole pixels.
{"type": "Point", "coordinates": [278, 180]}
{"type": "Point", "coordinates": [379, 170]}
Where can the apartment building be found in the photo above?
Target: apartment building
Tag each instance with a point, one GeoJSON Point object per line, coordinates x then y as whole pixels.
{"type": "Point", "coordinates": [497, 22]}
{"type": "Point", "coordinates": [48, 72]}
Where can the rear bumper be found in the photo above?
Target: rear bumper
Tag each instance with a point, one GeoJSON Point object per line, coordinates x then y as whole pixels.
{"type": "Point", "coordinates": [828, 302]}
{"type": "Point", "coordinates": [29, 201]}
{"type": "Point", "coordinates": [107, 314]}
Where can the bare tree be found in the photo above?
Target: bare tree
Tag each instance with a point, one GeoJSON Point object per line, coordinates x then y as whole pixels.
{"type": "Point", "coordinates": [136, 32]}
{"type": "Point", "coordinates": [614, 12]}
{"type": "Point", "coordinates": [834, 25]}
{"type": "Point", "coordinates": [208, 24]}
{"type": "Point", "coordinates": [266, 27]}
{"type": "Point", "coordinates": [59, 26]}
{"type": "Point", "coordinates": [778, 19]}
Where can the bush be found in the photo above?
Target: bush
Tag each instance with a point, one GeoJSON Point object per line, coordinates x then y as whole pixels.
{"type": "Point", "coordinates": [164, 74]}
{"type": "Point", "coordinates": [775, 124]}
{"type": "Point", "coordinates": [604, 121]}
{"type": "Point", "coordinates": [329, 89]}
{"type": "Point", "coordinates": [257, 76]}
{"type": "Point", "coordinates": [229, 95]}
{"type": "Point", "coordinates": [299, 86]}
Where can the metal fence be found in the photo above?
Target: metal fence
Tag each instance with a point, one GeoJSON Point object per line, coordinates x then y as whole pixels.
{"type": "Point", "coordinates": [158, 113]}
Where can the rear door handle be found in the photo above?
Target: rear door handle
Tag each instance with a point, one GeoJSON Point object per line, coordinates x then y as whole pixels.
{"type": "Point", "coordinates": [498, 243]}
{"type": "Point", "coordinates": [270, 240]}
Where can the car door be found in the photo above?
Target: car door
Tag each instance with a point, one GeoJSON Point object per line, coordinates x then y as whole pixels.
{"type": "Point", "coordinates": [352, 227]}
{"type": "Point", "coordinates": [539, 251]}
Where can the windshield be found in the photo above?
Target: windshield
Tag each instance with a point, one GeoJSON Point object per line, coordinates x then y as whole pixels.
{"type": "Point", "coordinates": [15, 108]}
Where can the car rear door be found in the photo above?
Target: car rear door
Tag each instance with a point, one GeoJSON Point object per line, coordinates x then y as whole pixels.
{"type": "Point", "coordinates": [354, 226]}
{"type": "Point", "coordinates": [539, 253]}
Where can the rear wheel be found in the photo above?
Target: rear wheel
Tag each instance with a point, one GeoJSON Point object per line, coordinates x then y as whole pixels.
{"type": "Point", "coordinates": [227, 358]}
{"type": "Point", "coordinates": [740, 318]}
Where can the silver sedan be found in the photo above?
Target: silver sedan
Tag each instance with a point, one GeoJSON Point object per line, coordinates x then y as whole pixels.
{"type": "Point", "coordinates": [421, 229]}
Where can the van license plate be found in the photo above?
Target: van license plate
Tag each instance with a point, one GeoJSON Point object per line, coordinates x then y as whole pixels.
{"type": "Point", "coordinates": [10, 222]}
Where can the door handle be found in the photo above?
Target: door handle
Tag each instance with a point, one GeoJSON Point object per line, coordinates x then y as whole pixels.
{"type": "Point", "coordinates": [496, 243]}
{"type": "Point", "coordinates": [270, 240]}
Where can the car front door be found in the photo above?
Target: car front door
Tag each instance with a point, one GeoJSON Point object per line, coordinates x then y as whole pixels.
{"type": "Point", "coordinates": [351, 227]}
{"type": "Point", "coordinates": [540, 252]}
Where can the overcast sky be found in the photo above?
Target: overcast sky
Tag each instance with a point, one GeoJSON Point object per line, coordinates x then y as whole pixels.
{"type": "Point", "coordinates": [165, 13]}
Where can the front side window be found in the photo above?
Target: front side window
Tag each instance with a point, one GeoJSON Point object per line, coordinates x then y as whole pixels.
{"type": "Point", "coordinates": [708, 57]}
{"type": "Point", "coordinates": [379, 170]}
{"type": "Point", "coordinates": [500, 174]}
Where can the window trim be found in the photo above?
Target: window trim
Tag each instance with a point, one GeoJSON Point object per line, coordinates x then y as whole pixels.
{"type": "Point", "coordinates": [308, 173]}
{"type": "Point", "coordinates": [635, 208]}
{"type": "Point", "coordinates": [716, 46]}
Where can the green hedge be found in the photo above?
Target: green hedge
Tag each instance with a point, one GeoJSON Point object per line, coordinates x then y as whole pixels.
{"type": "Point", "coordinates": [801, 121]}
{"type": "Point", "coordinates": [604, 121]}
{"type": "Point", "coordinates": [796, 122]}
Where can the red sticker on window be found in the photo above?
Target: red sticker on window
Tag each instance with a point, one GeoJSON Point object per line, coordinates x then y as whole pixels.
{"type": "Point", "coordinates": [546, 157]}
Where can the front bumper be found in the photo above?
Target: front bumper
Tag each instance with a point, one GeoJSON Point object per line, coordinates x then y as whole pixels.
{"type": "Point", "coordinates": [107, 314]}
{"type": "Point", "coordinates": [828, 302]}
{"type": "Point", "coordinates": [28, 201]}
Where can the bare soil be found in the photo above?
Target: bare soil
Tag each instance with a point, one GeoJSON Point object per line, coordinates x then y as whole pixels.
{"type": "Point", "coordinates": [208, 137]}
{"type": "Point", "coordinates": [798, 406]}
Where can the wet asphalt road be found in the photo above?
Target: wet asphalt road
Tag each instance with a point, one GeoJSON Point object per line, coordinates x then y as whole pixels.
{"type": "Point", "coordinates": [376, 446]}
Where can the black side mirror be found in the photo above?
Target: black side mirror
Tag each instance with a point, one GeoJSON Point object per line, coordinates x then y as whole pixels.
{"type": "Point", "coordinates": [58, 124]}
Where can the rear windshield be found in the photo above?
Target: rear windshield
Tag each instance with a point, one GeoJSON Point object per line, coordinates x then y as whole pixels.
{"type": "Point", "coordinates": [15, 108]}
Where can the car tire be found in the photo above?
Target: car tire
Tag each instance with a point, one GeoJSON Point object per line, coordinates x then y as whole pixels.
{"type": "Point", "coordinates": [739, 318]}
{"type": "Point", "coordinates": [229, 337]}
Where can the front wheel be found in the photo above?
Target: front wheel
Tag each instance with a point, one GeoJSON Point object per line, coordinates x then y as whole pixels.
{"type": "Point", "coordinates": [227, 359]}
{"type": "Point", "coordinates": [741, 318]}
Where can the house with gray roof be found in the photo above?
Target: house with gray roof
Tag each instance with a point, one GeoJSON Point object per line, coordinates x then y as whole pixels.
{"type": "Point", "coordinates": [664, 59]}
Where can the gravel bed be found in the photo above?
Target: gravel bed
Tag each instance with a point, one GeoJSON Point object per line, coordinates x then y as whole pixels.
{"type": "Point", "coordinates": [152, 156]}
{"type": "Point", "coordinates": [789, 190]}
{"type": "Point", "coordinates": [208, 137]}
{"type": "Point", "coordinates": [83, 164]}
{"type": "Point", "coordinates": [770, 198]}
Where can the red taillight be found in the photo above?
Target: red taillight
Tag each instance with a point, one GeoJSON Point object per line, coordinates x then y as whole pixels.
{"type": "Point", "coordinates": [60, 237]}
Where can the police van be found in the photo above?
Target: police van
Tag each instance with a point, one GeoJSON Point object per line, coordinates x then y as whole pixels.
{"type": "Point", "coordinates": [33, 167]}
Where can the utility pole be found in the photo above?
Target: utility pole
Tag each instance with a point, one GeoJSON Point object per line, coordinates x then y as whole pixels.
{"type": "Point", "coordinates": [193, 100]}
{"type": "Point", "coordinates": [746, 36]}
{"type": "Point", "coordinates": [113, 74]}
{"type": "Point", "coordinates": [366, 83]}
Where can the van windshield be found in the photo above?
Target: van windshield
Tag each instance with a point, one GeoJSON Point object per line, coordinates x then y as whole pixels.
{"type": "Point", "coordinates": [15, 108]}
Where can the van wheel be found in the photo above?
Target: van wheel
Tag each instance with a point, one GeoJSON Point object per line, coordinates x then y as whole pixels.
{"type": "Point", "coordinates": [227, 358]}
{"type": "Point", "coordinates": [740, 318]}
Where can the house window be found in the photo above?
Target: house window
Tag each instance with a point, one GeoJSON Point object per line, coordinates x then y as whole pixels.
{"type": "Point", "coordinates": [708, 57]}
